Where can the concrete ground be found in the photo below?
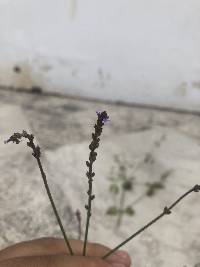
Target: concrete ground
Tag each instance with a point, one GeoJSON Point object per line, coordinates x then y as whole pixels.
{"type": "Point", "coordinates": [151, 146]}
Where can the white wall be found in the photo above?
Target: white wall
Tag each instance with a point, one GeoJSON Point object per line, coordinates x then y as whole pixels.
{"type": "Point", "coordinates": [135, 51]}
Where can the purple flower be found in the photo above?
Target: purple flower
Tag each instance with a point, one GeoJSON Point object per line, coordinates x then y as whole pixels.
{"type": "Point", "coordinates": [103, 115]}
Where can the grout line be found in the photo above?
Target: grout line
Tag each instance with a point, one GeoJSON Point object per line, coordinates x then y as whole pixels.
{"type": "Point", "coordinates": [106, 102]}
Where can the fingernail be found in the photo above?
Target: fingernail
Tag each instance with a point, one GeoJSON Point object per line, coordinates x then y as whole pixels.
{"type": "Point", "coordinates": [117, 265]}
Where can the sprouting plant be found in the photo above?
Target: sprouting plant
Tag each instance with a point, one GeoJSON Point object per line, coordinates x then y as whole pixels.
{"type": "Point", "coordinates": [102, 119]}
{"type": "Point", "coordinates": [78, 216]}
{"type": "Point", "coordinates": [166, 211]}
{"type": "Point", "coordinates": [126, 185]}
{"type": "Point", "coordinates": [123, 184]}
{"type": "Point", "coordinates": [155, 186]}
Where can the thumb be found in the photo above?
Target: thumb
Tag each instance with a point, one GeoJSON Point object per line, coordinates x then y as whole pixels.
{"type": "Point", "coordinates": [55, 261]}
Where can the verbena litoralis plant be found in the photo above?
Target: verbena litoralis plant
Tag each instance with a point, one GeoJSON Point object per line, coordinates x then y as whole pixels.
{"type": "Point", "coordinates": [102, 119]}
{"type": "Point", "coordinates": [78, 216]}
{"type": "Point", "coordinates": [123, 184]}
{"type": "Point", "coordinates": [15, 138]}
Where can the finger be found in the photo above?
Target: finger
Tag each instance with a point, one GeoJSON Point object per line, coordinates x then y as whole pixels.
{"type": "Point", "coordinates": [41, 246]}
{"type": "Point", "coordinates": [98, 250]}
{"type": "Point", "coordinates": [55, 246]}
{"type": "Point", "coordinates": [55, 261]}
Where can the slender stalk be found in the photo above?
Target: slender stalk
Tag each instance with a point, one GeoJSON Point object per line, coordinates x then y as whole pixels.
{"type": "Point", "coordinates": [166, 210]}
{"type": "Point", "coordinates": [137, 199]}
{"type": "Point", "coordinates": [78, 216]}
{"type": "Point", "coordinates": [102, 118]}
{"type": "Point", "coordinates": [54, 207]}
{"type": "Point", "coordinates": [15, 138]}
{"type": "Point", "coordinates": [121, 207]}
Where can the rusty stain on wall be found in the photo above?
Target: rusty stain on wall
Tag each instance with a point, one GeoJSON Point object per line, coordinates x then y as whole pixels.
{"type": "Point", "coordinates": [18, 75]}
{"type": "Point", "coordinates": [186, 86]}
{"type": "Point", "coordinates": [72, 8]}
{"type": "Point", "coordinates": [21, 75]}
{"type": "Point", "coordinates": [182, 89]}
{"type": "Point", "coordinates": [24, 78]}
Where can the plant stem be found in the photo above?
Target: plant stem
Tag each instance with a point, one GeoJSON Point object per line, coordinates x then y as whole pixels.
{"type": "Point", "coordinates": [53, 205]}
{"type": "Point", "coordinates": [15, 138]}
{"type": "Point", "coordinates": [137, 199]}
{"type": "Point", "coordinates": [102, 118]}
{"type": "Point", "coordinates": [122, 199]}
{"type": "Point", "coordinates": [79, 231]}
{"type": "Point", "coordinates": [166, 210]}
{"type": "Point", "coordinates": [78, 216]}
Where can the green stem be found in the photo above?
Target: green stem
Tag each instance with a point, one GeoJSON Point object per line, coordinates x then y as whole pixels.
{"type": "Point", "coordinates": [166, 211]}
{"type": "Point", "coordinates": [86, 235]}
{"type": "Point", "coordinates": [79, 230]}
{"type": "Point", "coordinates": [121, 206]}
{"type": "Point", "coordinates": [15, 138]}
{"type": "Point", "coordinates": [102, 118]}
{"type": "Point", "coordinates": [53, 205]}
{"type": "Point", "coordinates": [78, 216]}
{"type": "Point", "coordinates": [88, 212]}
{"type": "Point", "coordinates": [137, 199]}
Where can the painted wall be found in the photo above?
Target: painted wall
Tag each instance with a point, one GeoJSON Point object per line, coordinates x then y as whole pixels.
{"type": "Point", "coordinates": [134, 51]}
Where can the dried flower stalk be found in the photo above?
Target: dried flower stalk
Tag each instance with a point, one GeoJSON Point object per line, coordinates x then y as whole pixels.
{"type": "Point", "coordinates": [166, 211]}
{"type": "Point", "coordinates": [102, 119]}
{"type": "Point", "coordinates": [15, 138]}
{"type": "Point", "coordinates": [78, 216]}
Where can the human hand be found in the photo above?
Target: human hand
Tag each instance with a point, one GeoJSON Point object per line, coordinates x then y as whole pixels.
{"type": "Point", "coordinates": [52, 252]}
